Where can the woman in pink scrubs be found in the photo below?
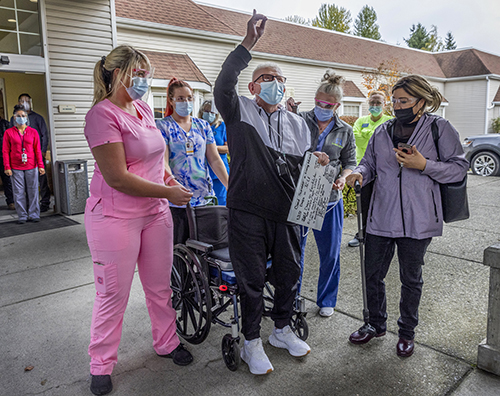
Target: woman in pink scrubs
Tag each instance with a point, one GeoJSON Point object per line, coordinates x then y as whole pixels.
{"type": "Point", "coordinates": [127, 217]}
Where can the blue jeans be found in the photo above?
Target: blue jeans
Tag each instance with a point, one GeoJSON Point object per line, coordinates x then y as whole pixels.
{"type": "Point", "coordinates": [328, 241]}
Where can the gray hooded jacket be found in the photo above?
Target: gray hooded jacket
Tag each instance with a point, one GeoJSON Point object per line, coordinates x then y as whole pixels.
{"type": "Point", "coordinates": [339, 145]}
{"type": "Point", "coordinates": [407, 202]}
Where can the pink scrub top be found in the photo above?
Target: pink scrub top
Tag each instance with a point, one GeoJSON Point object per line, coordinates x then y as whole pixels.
{"type": "Point", "coordinates": [144, 150]}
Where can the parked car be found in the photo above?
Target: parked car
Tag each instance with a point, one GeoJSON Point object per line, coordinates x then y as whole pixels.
{"type": "Point", "coordinates": [483, 153]}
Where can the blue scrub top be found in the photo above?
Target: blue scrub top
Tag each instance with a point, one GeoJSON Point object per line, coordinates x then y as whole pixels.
{"type": "Point", "coordinates": [220, 139]}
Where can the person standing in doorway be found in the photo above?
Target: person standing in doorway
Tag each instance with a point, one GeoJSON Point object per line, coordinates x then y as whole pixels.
{"type": "Point", "coordinates": [36, 121]}
{"type": "Point", "coordinates": [6, 182]}
{"type": "Point", "coordinates": [22, 159]}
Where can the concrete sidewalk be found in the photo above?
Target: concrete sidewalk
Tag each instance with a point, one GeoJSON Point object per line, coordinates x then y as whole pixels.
{"type": "Point", "coordinates": [46, 305]}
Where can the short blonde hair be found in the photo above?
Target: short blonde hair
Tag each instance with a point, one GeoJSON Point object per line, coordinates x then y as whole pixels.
{"type": "Point", "coordinates": [419, 88]}
{"type": "Point", "coordinates": [123, 57]}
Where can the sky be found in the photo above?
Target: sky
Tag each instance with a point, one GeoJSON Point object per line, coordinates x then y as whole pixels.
{"type": "Point", "coordinates": [472, 23]}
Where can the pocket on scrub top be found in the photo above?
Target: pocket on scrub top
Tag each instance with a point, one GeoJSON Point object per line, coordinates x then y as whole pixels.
{"type": "Point", "coordinates": [105, 277]}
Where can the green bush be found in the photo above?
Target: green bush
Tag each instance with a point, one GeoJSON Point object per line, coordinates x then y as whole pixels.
{"type": "Point", "coordinates": [495, 124]}
{"type": "Point", "coordinates": [349, 201]}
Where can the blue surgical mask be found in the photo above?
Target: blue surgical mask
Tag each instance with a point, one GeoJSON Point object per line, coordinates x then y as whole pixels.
{"type": "Point", "coordinates": [21, 120]}
{"type": "Point", "coordinates": [183, 108]}
{"type": "Point", "coordinates": [209, 117]}
{"type": "Point", "coordinates": [375, 110]}
{"type": "Point", "coordinates": [323, 114]}
{"type": "Point", "coordinates": [139, 88]}
{"type": "Point", "coordinates": [272, 92]}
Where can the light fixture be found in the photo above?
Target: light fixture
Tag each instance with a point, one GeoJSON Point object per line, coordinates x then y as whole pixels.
{"type": "Point", "coordinates": [11, 20]}
{"type": "Point", "coordinates": [34, 1]}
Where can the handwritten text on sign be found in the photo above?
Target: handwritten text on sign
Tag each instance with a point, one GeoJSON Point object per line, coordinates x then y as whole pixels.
{"type": "Point", "coordinates": [312, 194]}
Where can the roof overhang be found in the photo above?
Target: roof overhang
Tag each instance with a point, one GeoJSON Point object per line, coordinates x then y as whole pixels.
{"type": "Point", "coordinates": [200, 86]}
{"type": "Point", "coordinates": [152, 27]}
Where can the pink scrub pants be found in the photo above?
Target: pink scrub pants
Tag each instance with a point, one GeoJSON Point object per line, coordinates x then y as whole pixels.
{"type": "Point", "coordinates": [116, 246]}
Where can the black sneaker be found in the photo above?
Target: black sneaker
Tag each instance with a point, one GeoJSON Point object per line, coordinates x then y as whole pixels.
{"type": "Point", "coordinates": [44, 208]}
{"type": "Point", "coordinates": [180, 355]}
{"type": "Point", "coordinates": [101, 384]}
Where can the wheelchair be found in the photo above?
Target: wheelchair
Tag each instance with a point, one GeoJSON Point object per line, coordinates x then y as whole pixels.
{"type": "Point", "coordinates": [204, 287]}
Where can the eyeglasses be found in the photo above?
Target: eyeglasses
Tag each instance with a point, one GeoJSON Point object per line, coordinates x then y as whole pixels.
{"type": "Point", "coordinates": [142, 73]}
{"type": "Point", "coordinates": [326, 105]}
{"type": "Point", "coordinates": [375, 103]}
{"type": "Point", "coordinates": [270, 77]}
{"type": "Point", "coordinates": [403, 101]}
{"type": "Point", "coordinates": [183, 99]}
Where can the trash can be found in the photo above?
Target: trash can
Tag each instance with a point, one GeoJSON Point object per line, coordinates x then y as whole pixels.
{"type": "Point", "coordinates": [73, 185]}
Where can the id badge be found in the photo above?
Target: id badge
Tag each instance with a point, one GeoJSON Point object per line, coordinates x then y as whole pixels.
{"type": "Point", "coordinates": [24, 158]}
{"type": "Point", "coordinates": [189, 147]}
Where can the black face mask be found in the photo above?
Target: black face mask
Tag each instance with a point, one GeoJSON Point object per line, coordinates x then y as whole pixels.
{"type": "Point", "coordinates": [405, 116]}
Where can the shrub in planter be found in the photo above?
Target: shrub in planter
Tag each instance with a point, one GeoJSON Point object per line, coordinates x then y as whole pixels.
{"type": "Point", "coordinates": [495, 124]}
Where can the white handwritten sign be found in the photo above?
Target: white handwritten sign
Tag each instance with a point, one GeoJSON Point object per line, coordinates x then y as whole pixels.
{"type": "Point", "coordinates": [312, 194]}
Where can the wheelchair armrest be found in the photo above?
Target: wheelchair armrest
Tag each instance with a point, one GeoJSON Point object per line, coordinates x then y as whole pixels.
{"type": "Point", "coordinates": [201, 246]}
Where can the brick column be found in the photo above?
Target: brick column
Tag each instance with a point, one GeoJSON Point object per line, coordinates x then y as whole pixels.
{"type": "Point", "coordinates": [488, 357]}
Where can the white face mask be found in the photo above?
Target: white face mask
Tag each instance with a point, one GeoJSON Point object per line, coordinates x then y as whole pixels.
{"type": "Point", "coordinates": [26, 105]}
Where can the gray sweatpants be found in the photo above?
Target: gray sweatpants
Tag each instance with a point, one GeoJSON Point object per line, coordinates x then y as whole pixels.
{"type": "Point", "coordinates": [26, 181]}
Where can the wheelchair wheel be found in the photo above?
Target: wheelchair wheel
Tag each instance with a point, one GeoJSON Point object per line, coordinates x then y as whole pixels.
{"type": "Point", "coordinates": [299, 325]}
{"type": "Point", "coordinates": [190, 296]}
{"type": "Point", "coordinates": [231, 352]}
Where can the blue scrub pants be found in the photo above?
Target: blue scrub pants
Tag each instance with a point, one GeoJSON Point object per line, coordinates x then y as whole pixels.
{"type": "Point", "coordinates": [328, 241]}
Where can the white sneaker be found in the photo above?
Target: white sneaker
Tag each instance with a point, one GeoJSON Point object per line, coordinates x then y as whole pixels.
{"type": "Point", "coordinates": [326, 311]}
{"type": "Point", "coordinates": [285, 338]}
{"type": "Point", "coordinates": [253, 354]}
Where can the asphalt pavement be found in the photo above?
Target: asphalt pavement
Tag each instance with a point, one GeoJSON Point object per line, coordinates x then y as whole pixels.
{"type": "Point", "coordinates": [47, 292]}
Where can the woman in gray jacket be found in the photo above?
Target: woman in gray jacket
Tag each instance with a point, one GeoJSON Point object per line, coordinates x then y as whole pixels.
{"type": "Point", "coordinates": [405, 208]}
{"type": "Point", "coordinates": [334, 137]}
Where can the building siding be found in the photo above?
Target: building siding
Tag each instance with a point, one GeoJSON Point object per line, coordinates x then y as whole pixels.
{"type": "Point", "coordinates": [466, 110]}
{"type": "Point", "coordinates": [78, 34]}
{"type": "Point", "coordinates": [494, 111]}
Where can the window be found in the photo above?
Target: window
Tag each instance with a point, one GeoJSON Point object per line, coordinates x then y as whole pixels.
{"type": "Point", "coordinates": [351, 109]}
{"type": "Point", "coordinates": [159, 105]}
{"type": "Point", "coordinates": [20, 27]}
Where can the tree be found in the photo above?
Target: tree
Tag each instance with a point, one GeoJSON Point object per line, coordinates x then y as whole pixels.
{"type": "Point", "coordinates": [435, 43]}
{"type": "Point", "coordinates": [365, 24]}
{"type": "Point", "coordinates": [419, 37]}
{"type": "Point", "coordinates": [298, 19]}
{"type": "Point", "coordinates": [334, 18]}
{"type": "Point", "coordinates": [449, 42]}
{"type": "Point", "coordinates": [383, 78]}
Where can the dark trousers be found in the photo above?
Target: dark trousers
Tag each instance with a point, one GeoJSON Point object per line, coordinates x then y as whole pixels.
{"type": "Point", "coordinates": [7, 184]}
{"type": "Point", "coordinates": [44, 191]}
{"type": "Point", "coordinates": [181, 225]}
{"type": "Point", "coordinates": [251, 240]}
{"type": "Point", "coordinates": [379, 253]}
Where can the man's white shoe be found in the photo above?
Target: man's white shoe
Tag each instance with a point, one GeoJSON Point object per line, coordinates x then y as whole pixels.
{"type": "Point", "coordinates": [326, 311]}
{"type": "Point", "coordinates": [285, 338]}
{"type": "Point", "coordinates": [253, 354]}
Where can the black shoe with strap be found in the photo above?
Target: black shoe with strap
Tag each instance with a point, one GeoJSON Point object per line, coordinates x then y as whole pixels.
{"type": "Point", "coordinates": [364, 334]}
{"type": "Point", "coordinates": [180, 355]}
{"type": "Point", "coordinates": [101, 384]}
